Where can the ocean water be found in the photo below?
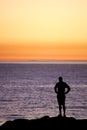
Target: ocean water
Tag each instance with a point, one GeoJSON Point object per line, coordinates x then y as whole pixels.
{"type": "Point", "coordinates": [27, 90]}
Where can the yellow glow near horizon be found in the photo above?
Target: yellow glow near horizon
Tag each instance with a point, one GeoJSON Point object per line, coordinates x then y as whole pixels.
{"type": "Point", "coordinates": [43, 30]}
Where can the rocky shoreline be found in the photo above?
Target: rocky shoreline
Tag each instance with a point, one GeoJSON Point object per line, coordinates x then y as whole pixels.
{"type": "Point", "coordinates": [46, 122]}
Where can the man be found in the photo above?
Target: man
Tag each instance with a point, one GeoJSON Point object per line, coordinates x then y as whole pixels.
{"type": "Point", "coordinates": [61, 88]}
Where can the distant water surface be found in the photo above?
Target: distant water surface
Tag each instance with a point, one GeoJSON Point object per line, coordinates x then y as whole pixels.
{"type": "Point", "coordinates": [27, 90]}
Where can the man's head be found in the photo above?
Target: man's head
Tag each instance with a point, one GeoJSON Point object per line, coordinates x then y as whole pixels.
{"type": "Point", "coordinates": [60, 79]}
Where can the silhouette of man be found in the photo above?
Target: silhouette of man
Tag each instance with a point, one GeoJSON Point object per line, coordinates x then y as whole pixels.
{"type": "Point", "coordinates": [61, 88]}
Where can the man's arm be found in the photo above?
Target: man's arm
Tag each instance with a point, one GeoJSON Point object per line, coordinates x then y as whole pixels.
{"type": "Point", "coordinates": [56, 89]}
{"type": "Point", "coordinates": [68, 88]}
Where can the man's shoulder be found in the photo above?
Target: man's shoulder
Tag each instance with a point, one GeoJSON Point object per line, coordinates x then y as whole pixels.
{"type": "Point", "coordinates": [66, 84]}
{"type": "Point", "coordinates": [57, 84]}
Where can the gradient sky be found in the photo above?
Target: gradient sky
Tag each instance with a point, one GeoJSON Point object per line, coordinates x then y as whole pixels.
{"type": "Point", "coordinates": [43, 30]}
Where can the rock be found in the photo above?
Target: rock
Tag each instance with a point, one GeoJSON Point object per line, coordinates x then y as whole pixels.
{"type": "Point", "coordinates": [46, 122]}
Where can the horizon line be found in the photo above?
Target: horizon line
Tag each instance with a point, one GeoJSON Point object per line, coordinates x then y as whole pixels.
{"type": "Point", "coordinates": [46, 61]}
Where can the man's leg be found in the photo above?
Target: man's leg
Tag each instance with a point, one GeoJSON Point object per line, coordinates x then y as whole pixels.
{"type": "Point", "coordinates": [64, 110]}
{"type": "Point", "coordinates": [59, 103]}
{"type": "Point", "coordinates": [60, 113]}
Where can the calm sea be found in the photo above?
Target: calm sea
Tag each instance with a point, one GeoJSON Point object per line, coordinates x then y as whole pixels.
{"type": "Point", "coordinates": [27, 90]}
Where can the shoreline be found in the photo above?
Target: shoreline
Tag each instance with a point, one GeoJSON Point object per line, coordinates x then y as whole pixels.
{"type": "Point", "coordinates": [46, 122]}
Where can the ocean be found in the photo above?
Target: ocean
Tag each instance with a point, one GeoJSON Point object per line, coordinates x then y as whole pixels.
{"type": "Point", "coordinates": [27, 90]}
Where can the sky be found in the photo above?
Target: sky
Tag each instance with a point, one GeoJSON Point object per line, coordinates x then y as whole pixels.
{"type": "Point", "coordinates": [43, 30]}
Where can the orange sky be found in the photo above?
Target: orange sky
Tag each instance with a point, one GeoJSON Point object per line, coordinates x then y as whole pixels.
{"type": "Point", "coordinates": [43, 30]}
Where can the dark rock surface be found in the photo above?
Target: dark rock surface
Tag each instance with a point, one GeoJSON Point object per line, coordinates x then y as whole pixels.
{"type": "Point", "coordinates": [46, 122]}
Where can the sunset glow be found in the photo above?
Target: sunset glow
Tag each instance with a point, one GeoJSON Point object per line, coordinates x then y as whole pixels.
{"type": "Point", "coordinates": [43, 30]}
